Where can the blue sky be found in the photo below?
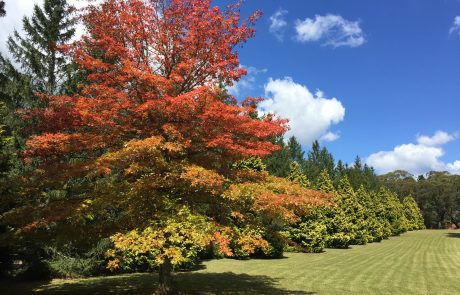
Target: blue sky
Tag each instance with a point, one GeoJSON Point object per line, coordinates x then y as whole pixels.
{"type": "Point", "coordinates": [397, 77]}
{"type": "Point", "coordinates": [379, 79]}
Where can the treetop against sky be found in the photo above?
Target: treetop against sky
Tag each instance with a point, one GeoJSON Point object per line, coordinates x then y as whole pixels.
{"type": "Point", "coordinates": [376, 79]}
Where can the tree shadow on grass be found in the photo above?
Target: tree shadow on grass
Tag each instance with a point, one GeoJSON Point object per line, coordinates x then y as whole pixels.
{"type": "Point", "coordinates": [453, 235]}
{"type": "Point", "coordinates": [187, 283]}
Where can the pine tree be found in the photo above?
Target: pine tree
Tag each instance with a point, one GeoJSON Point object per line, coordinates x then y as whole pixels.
{"type": "Point", "coordinates": [278, 162]}
{"type": "Point", "coordinates": [318, 159]}
{"type": "Point", "coordinates": [295, 151]}
{"type": "Point", "coordinates": [43, 68]}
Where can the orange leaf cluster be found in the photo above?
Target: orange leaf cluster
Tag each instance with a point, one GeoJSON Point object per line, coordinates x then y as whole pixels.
{"type": "Point", "coordinates": [154, 70]}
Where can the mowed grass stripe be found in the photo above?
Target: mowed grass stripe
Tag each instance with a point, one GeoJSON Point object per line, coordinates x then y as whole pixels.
{"type": "Point", "coordinates": [420, 262]}
{"type": "Point", "coordinates": [423, 262]}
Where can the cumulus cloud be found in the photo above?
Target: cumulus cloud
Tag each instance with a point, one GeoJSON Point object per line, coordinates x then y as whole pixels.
{"type": "Point", "coordinates": [310, 115]}
{"type": "Point", "coordinates": [331, 30]}
{"type": "Point", "coordinates": [454, 167]}
{"type": "Point", "coordinates": [455, 26]}
{"type": "Point", "coordinates": [439, 138]}
{"type": "Point", "coordinates": [330, 136]}
{"type": "Point", "coordinates": [278, 24]}
{"type": "Point", "coordinates": [246, 83]}
{"type": "Point", "coordinates": [419, 158]}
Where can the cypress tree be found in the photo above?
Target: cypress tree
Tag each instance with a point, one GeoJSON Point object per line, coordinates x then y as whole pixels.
{"type": "Point", "coordinates": [324, 182]}
{"type": "Point", "coordinates": [351, 213]}
{"type": "Point", "coordinates": [413, 214]}
{"type": "Point", "coordinates": [297, 176]}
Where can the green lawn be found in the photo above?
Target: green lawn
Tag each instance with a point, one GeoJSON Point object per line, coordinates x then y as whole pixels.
{"type": "Point", "coordinates": [423, 262]}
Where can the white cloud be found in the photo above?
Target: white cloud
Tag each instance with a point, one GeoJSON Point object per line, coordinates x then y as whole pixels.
{"type": "Point", "coordinates": [247, 82]}
{"type": "Point", "coordinates": [439, 138]}
{"type": "Point", "coordinates": [278, 24]}
{"type": "Point", "coordinates": [332, 30]}
{"type": "Point", "coordinates": [455, 26]}
{"type": "Point", "coordinates": [419, 158]}
{"type": "Point", "coordinates": [330, 136]}
{"type": "Point", "coordinates": [454, 167]}
{"type": "Point", "coordinates": [310, 116]}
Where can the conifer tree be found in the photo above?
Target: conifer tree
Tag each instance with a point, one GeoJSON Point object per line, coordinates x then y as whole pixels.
{"type": "Point", "coordinates": [373, 227]}
{"type": "Point", "coordinates": [318, 159]}
{"type": "Point", "coordinates": [43, 68]}
{"type": "Point", "coordinates": [390, 209]}
{"type": "Point", "coordinates": [311, 233]}
{"type": "Point", "coordinates": [2, 9]}
{"type": "Point", "coordinates": [278, 162]}
{"type": "Point", "coordinates": [413, 214]}
{"type": "Point", "coordinates": [351, 212]}
{"type": "Point", "coordinates": [295, 151]}
{"type": "Point", "coordinates": [296, 175]}
{"type": "Point", "coordinates": [324, 182]}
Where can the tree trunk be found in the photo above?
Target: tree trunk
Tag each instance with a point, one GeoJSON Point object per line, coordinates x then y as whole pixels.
{"type": "Point", "coordinates": [165, 278]}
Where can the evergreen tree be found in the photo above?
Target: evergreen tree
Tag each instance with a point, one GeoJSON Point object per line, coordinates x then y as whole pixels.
{"type": "Point", "coordinates": [324, 182]}
{"type": "Point", "coordinates": [391, 211]}
{"type": "Point", "coordinates": [339, 171]}
{"type": "Point", "coordinates": [374, 228]}
{"type": "Point", "coordinates": [295, 151]}
{"type": "Point", "coordinates": [352, 213]}
{"type": "Point", "coordinates": [318, 159]}
{"type": "Point", "coordinates": [311, 233]}
{"type": "Point", "coordinates": [413, 214]}
{"type": "Point", "coordinates": [278, 162]}
{"type": "Point", "coordinates": [43, 68]}
{"type": "Point", "coordinates": [297, 176]}
{"type": "Point", "coordinates": [2, 9]}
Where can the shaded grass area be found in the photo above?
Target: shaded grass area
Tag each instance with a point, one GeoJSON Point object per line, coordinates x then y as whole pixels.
{"type": "Point", "coordinates": [422, 262]}
{"type": "Point", "coordinates": [140, 284]}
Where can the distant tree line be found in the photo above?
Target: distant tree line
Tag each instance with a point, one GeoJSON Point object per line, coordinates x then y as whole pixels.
{"type": "Point", "coordinates": [437, 194]}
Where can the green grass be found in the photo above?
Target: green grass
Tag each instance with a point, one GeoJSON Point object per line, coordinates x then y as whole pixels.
{"type": "Point", "coordinates": [422, 262]}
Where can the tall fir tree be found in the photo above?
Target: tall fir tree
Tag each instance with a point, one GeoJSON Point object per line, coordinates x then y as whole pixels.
{"type": "Point", "coordinates": [318, 159]}
{"type": "Point", "coordinates": [43, 68]}
{"type": "Point", "coordinates": [295, 151]}
{"type": "Point", "coordinates": [278, 163]}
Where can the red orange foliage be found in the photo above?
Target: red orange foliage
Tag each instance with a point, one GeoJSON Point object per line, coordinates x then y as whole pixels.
{"type": "Point", "coordinates": [154, 70]}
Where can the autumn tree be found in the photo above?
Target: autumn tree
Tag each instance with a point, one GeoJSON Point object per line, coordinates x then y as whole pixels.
{"type": "Point", "coordinates": [150, 141]}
